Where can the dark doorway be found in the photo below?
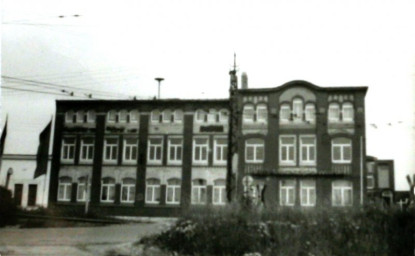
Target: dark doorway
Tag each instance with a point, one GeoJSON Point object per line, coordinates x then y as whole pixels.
{"type": "Point", "coordinates": [18, 193]}
{"type": "Point", "coordinates": [31, 201]}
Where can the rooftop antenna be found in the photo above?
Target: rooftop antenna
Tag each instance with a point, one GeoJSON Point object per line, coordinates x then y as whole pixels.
{"type": "Point", "coordinates": [159, 79]}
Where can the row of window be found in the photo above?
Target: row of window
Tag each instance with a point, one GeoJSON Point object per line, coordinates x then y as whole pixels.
{"type": "Point", "coordinates": [152, 194]}
{"type": "Point", "coordinates": [341, 150]}
{"type": "Point", "coordinates": [201, 149]}
{"type": "Point", "coordinates": [341, 195]}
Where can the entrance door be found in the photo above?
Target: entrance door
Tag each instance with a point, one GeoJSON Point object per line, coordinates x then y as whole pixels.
{"type": "Point", "coordinates": [31, 201]}
{"type": "Point", "coordinates": [18, 193]}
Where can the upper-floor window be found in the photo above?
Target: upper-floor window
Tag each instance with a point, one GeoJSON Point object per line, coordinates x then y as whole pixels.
{"type": "Point", "coordinates": [308, 192]}
{"type": "Point", "coordinates": [133, 116]}
{"type": "Point", "coordinates": [220, 152]}
{"type": "Point", "coordinates": [175, 150]}
{"type": "Point", "coordinates": [178, 116]}
{"type": "Point", "coordinates": [87, 149]}
{"type": "Point", "coordinates": [285, 112]}
{"type": "Point", "coordinates": [110, 150]}
{"type": "Point", "coordinates": [70, 117]}
{"type": "Point", "coordinates": [297, 109]}
{"type": "Point", "coordinates": [91, 116]}
{"type": "Point", "coordinates": [308, 149]}
{"type": "Point", "coordinates": [155, 150]}
{"type": "Point", "coordinates": [262, 113]}
{"type": "Point", "coordinates": [112, 116]}
{"type": "Point", "coordinates": [81, 116]}
{"type": "Point", "coordinates": [342, 193]}
{"type": "Point", "coordinates": [213, 116]}
{"type": "Point", "coordinates": [199, 191]}
{"type": "Point", "coordinates": [383, 177]}
{"type": "Point", "coordinates": [64, 189]}
{"type": "Point", "coordinates": [173, 191]}
{"type": "Point", "coordinates": [287, 149]}
{"type": "Point", "coordinates": [200, 150]}
{"type": "Point", "coordinates": [310, 112]}
{"type": "Point", "coordinates": [347, 112]}
{"type": "Point", "coordinates": [130, 150]}
{"type": "Point", "coordinates": [83, 189]}
{"type": "Point", "coordinates": [201, 116]}
{"type": "Point", "coordinates": [152, 191]}
{"type": "Point", "coordinates": [108, 190]}
{"type": "Point", "coordinates": [167, 116]}
{"type": "Point", "coordinates": [223, 115]}
{"type": "Point", "coordinates": [155, 116]}
{"type": "Point", "coordinates": [219, 192]}
{"type": "Point", "coordinates": [341, 150]}
{"type": "Point", "coordinates": [334, 112]}
{"type": "Point", "coordinates": [254, 151]}
{"type": "Point", "coordinates": [68, 149]}
{"type": "Point", "coordinates": [287, 192]}
{"type": "Point", "coordinates": [128, 190]}
{"type": "Point", "coordinates": [248, 113]}
{"type": "Point", "coordinates": [123, 116]}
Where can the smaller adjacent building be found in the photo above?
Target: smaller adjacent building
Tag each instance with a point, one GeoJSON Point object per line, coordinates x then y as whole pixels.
{"type": "Point", "coordinates": [380, 183]}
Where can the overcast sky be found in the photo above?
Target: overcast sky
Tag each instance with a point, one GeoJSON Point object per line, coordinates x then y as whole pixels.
{"type": "Point", "coordinates": [117, 48]}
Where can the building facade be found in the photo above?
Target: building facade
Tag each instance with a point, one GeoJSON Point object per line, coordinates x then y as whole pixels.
{"type": "Point", "coordinates": [380, 182]}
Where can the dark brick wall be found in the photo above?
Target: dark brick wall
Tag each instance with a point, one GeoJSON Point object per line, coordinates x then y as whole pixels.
{"type": "Point", "coordinates": [56, 159]}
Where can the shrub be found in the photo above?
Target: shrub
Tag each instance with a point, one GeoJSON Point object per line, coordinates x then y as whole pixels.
{"type": "Point", "coordinates": [7, 208]}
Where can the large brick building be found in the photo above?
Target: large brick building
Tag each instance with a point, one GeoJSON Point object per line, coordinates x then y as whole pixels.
{"type": "Point", "coordinates": [296, 145]}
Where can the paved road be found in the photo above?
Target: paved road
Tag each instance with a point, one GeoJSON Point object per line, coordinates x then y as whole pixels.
{"type": "Point", "coordinates": [73, 241]}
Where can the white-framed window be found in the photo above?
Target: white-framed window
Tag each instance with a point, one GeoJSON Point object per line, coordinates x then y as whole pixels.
{"type": "Point", "coordinates": [287, 192]}
{"type": "Point", "coordinates": [223, 115]}
{"type": "Point", "coordinates": [167, 116]}
{"type": "Point", "coordinates": [91, 116]}
{"type": "Point", "coordinates": [220, 152]}
{"type": "Point", "coordinates": [123, 116]}
{"type": "Point", "coordinates": [347, 112]}
{"type": "Point", "coordinates": [341, 150]}
{"type": "Point", "coordinates": [175, 150]}
{"type": "Point", "coordinates": [130, 150]}
{"type": "Point", "coordinates": [68, 149]}
{"type": "Point", "coordinates": [285, 112]}
{"type": "Point", "coordinates": [155, 116]}
{"type": "Point", "coordinates": [334, 112]}
{"type": "Point", "coordinates": [173, 191]}
{"type": "Point", "coordinates": [70, 117]}
{"type": "Point", "coordinates": [308, 192]}
{"type": "Point", "coordinates": [64, 189]}
{"type": "Point", "coordinates": [133, 116]}
{"type": "Point", "coordinates": [213, 116]}
{"type": "Point", "coordinates": [178, 116]}
{"type": "Point", "coordinates": [310, 112]}
{"type": "Point", "coordinates": [155, 150]}
{"type": "Point", "coordinates": [262, 113]}
{"type": "Point", "coordinates": [87, 150]}
{"type": "Point", "coordinates": [308, 150]}
{"type": "Point", "coordinates": [112, 116]}
{"type": "Point", "coordinates": [342, 193]}
{"type": "Point", "coordinates": [199, 191]}
{"type": "Point", "coordinates": [383, 176]}
{"type": "Point", "coordinates": [128, 190]}
{"type": "Point", "coordinates": [200, 150]}
{"type": "Point", "coordinates": [219, 192]}
{"type": "Point", "coordinates": [82, 192]}
{"type": "Point", "coordinates": [297, 109]}
{"type": "Point", "coordinates": [152, 191]}
{"type": "Point", "coordinates": [108, 190]}
{"type": "Point", "coordinates": [287, 149]}
{"type": "Point", "coordinates": [80, 116]}
{"type": "Point", "coordinates": [201, 116]}
{"type": "Point", "coordinates": [248, 113]}
{"type": "Point", "coordinates": [254, 150]}
{"type": "Point", "coordinates": [110, 150]}
{"type": "Point", "coordinates": [370, 181]}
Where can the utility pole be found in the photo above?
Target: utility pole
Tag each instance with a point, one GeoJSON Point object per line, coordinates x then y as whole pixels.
{"type": "Point", "coordinates": [231, 180]}
{"type": "Point", "coordinates": [159, 79]}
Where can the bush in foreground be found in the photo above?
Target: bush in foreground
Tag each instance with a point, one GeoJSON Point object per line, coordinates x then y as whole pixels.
{"type": "Point", "coordinates": [235, 231]}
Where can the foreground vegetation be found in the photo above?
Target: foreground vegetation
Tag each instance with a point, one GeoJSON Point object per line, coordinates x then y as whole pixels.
{"type": "Point", "coordinates": [237, 231]}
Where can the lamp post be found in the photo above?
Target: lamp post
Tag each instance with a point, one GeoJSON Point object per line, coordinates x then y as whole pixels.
{"type": "Point", "coordinates": [159, 79]}
{"type": "Point", "coordinates": [9, 174]}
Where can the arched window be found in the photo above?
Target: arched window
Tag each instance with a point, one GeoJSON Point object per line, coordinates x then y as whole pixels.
{"type": "Point", "coordinates": [82, 192]}
{"type": "Point", "coordinates": [310, 112]}
{"type": "Point", "coordinates": [341, 150]}
{"type": "Point", "coordinates": [155, 116]}
{"type": "Point", "coordinates": [285, 112]}
{"type": "Point", "coordinates": [199, 191]}
{"type": "Point", "coordinates": [108, 190]}
{"type": "Point", "coordinates": [128, 190]}
{"type": "Point", "coordinates": [219, 192]}
{"type": "Point", "coordinates": [64, 189]}
{"type": "Point", "coordinates": [348, 112]}
{"type": "Point", "coordinates": [112, 116]}
{"type": "Point", "coordinates": [201, 116]}
{"type": "Point", "coordinates": [297, 109]}
{"type": "Point", "coordinates": [80, 116]}
{"type": "Point", "coordinates": [152, 191]}
{"type": "Point", "coordinates": [224, 115]}
{"type": "Point", "coordinates": [213, 116]}
{"type": "Point", "coordinates": [334, 112]}
{"type": "Point", "coordinates": [69, 116]}
{"type": "Point", "coordinates": [133, 116]}
{"type": "Point", "coordinates": [123, 116]}
{"type": "Point", "coordinates": [254, 150]}
{"type": "Point", "coordinates": [342, 193]}
{"type": "Point", "coordinates": [167, 116]}
{"type": "Point", "coordinates": [91, 116]}
{"type": "Point", "coordinates": [262, 112]}
{"type": "Point", "coordinates": [173, 191]}
{"type": "Point", "coordinates": [178, 116]}
{"type": "Point", "coordinates": [248, 113]}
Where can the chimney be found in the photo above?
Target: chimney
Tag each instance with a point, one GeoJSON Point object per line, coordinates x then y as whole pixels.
{"type": "Point", "coordinates": [244, 80]}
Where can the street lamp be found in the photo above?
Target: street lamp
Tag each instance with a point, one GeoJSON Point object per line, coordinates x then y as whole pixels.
{"type": "Point", "coordinates": [159, 79]}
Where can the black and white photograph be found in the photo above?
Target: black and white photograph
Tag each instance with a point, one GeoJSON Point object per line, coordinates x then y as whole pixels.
{"type": "Point", "coordinates": [207, 128]}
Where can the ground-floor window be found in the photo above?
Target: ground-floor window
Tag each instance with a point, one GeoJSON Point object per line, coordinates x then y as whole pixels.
{"type": "Point", "coordinates": [173, 191]}
{"type": "Point", "coordinates": [287, 192]}
{"type": "Point", "coordinates": [308, 192]}
{"type": "Point", "coordinates": [128, 190]}
{"type": "Point", "coordinates": [64, 189]}
{"type": "Point", "coordinates": [153, 191]}
{"type": "Point", "coordinates": [82, 192]}
{"type": "Point", "coordinates": [342, 193]}
{"type": "Point", "coordinates": [108, 190]}
{"type": "Point", "coordinates": [199, 191]}
{"type": "Point", "coordinates": [219, 191]}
